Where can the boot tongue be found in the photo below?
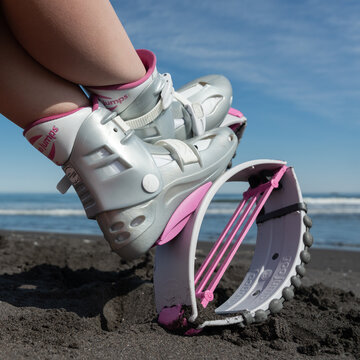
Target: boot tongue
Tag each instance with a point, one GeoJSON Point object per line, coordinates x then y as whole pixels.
{"type": "Point", "coordinates": [144, 98]}
{"type": "Point", "coordinates": [129, 102]}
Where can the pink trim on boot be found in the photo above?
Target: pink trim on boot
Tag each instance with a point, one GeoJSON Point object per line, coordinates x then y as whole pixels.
{"type": "Point", "coordinates": [95, 102]}
{"type": "Point", "coordinates": [235, 112]}
{"type": "Point", "coordinates": [49, 118]}
{"type": "Point", "coordinates": [34, 139]}
{"type": "Point", "coordinates": [148, 58]}
{"type": "Point", "coordinates": [182, 214]}
{"type": "Point", "coordinates": [52, 152]}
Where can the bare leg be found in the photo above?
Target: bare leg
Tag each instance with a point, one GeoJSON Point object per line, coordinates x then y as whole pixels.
{"type": "Point", "coordinates": [82, 41]}
{"type": "Point", "coordinates": [28, 91]}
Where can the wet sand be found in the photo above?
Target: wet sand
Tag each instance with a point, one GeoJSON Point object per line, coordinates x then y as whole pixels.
{"type": "Point", "coordinates": [69, 297]}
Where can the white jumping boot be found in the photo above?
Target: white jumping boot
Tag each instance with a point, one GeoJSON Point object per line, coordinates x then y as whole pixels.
{"type": "Point", "coordinates": [131, 187]}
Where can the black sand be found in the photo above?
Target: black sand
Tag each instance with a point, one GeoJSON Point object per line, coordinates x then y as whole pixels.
{"type": "Point", "coordinates": [68, 297]}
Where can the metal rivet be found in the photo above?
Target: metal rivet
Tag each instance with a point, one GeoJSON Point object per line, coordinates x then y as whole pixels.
{"type": "Point", "coordinates": [137, 221]}
{"type": "Point", "coordinates": [122, 237]}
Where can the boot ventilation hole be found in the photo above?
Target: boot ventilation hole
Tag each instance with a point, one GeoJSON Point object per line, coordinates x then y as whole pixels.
{"type": "Point", "coordinates": [114, 168]}
{"type": "Point", "coordinates": [202, 144]}
{"type": "Point", "coordinates": [117, 226]}
{"type": "Point", "coordinates": [99, 154]}
{"type": "Point", "coordinates": [120, 238]}
{"type": "Point", "coordinates": [138, 221]}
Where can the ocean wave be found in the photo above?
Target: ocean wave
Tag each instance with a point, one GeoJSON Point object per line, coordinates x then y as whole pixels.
{"type": "Point", "coordinates": [332, 201]}
{"type": "Point", "coordinates": [42, 212]}
{"type": "Point", "coordinates": [312, 210]}
{"type": "Point", "coordinates": [220, 206]}
{"type": "Point", "coordinates": [308, 199]}
{"type": "Point", "coordinates": [334, 211]}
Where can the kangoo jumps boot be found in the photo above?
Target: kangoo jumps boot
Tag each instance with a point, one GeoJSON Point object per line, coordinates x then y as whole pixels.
{"type": "Point", "coordinates": [130, 187]}
{"type": "Point", "coordinates": [155, 111]}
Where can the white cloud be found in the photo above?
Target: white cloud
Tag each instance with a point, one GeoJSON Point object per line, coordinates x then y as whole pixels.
{"type": "Point", "coordinates": [304, 52]}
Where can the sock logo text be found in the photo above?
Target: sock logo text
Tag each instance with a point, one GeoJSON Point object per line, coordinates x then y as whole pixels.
{"type": "Point", "coordinates": [42, 146]}
{"type": "Point", "coordinates": [114, 102]}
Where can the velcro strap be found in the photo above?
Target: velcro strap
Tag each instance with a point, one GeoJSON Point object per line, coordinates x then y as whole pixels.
{"type": "Point", "coordinates": [64, 185]}
{"type": "Point", "coordinates": [146, 119]}
{"type": "Point", "coordinates": [167, 93]}
{"type": "Point", "coordinates": [166, 98]}
{"type": "Point", "coordinates": [123, 125]}
{"type": "Point", "coordinates": [196, 113]}
{"type": "Point", "coordinates": [71, 178]}
{"type": "Point", "coordinates": [281, 212]}
{"type": "Point", "coordinates": [180, 151]}
{"type": "Point", "coordinates": [195, 110]}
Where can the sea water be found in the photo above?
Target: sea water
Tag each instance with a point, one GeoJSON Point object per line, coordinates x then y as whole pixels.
{"type": "Point", "coordinates": [336, 217]}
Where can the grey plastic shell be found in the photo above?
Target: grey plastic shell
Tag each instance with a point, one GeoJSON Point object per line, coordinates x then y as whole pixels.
{"type": "Point", "coordinates": [120, 184]}
{"type": "Point", "coordinates": [163, 126]}
{"type": "Point", "coordinates": [212, 86]}
{"type": "Point", "coordinates": [107, 161]}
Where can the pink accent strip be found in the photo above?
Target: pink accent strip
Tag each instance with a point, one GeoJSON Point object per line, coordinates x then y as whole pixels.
{"type": "Point", "coordinates": [95, 102]}
{"type": "Point", "coordinates": [49, 118]}
{"type": "Point", "coordinates": [260, 195]}
{"type": "Point", "coordinates": [172, 318]}
{"type": "Point", "coordinates": [52, 152]}
{"type": "Point", "coordinates": [34, 139]}
{"type": "Point", "coordinates": [193, 332]}
{"type": "Point", "coordinates": [104, 97]}
{"type": "Point", "coordinates": [148, 58]}
{"type": "Point", "coordinates": [182, 214]}
{"type": "Point", "coordinates": [235, 112]}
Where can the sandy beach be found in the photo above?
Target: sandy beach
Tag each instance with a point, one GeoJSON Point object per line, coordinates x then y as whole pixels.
{"type": "Point", "coordinates": [69, 297]}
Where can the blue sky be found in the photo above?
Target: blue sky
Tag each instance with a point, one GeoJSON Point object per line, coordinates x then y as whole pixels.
{"type": "Point", "coordinates": [295, 70]}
